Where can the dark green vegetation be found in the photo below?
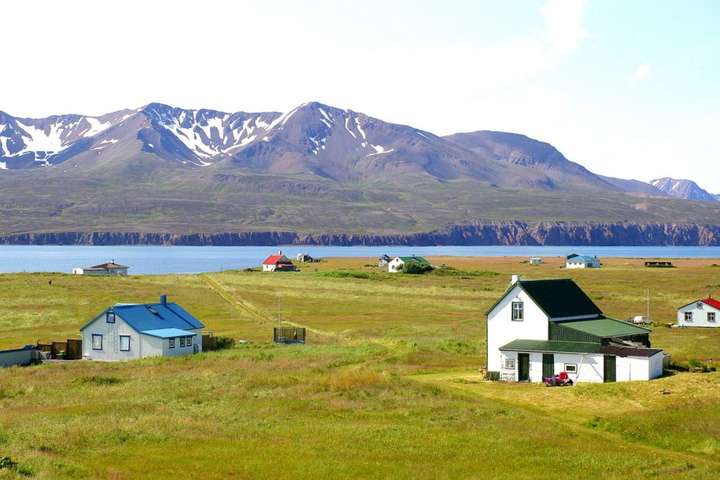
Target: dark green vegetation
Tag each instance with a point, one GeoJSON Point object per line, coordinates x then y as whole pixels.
{"type": "Point", "coordinates": [387, 387]}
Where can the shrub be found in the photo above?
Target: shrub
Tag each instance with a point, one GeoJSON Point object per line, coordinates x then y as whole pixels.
{"type": "Point", "coordinates": [98, 380]}
{"type": "Point", "coordinates": [222, 343]}
{"type": "Point", "coordinates": [417, 268]}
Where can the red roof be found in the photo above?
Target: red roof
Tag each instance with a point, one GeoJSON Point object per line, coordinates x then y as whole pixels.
{"type": "Point", "coordinates": [712, 302]}
{"type": "Point", "coordinates": [275, 259]}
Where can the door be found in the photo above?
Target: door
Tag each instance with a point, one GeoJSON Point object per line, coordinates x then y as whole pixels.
{"type": "Point", "coordinates": [523, 367]}
{"type": "Point", "coordinates": [548, 365]}
{"type": "Point", "coordinates": [609, 368]}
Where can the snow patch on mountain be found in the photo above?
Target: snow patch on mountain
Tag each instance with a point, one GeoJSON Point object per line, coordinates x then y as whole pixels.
{"type": "Point", "coordinates": [686, 189]}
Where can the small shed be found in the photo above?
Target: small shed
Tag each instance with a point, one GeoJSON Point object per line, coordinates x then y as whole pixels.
{"type": "Point", "coordinates": [26, 355]}
{"type": "Point", "coordinates": [289, 335]}
{"type": "Point", "coordinates": [536, 261]}
{"type": "Point", "coordinates": [304, 258]}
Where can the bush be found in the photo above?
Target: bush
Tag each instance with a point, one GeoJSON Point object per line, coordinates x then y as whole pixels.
{"type": "Point", "coordinates": [417, 268]}
{"type": "Point", "coordinates": [222, 343]}
{"type": "Point", "coordinates": [97, 380]}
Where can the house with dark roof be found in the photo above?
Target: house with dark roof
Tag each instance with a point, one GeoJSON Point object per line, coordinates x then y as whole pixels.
{"type": "Point", "coordinates": [128, 331]}
{"type": "Point", "coordinates": [104, 269]}
{"type": "Point", "coordinates": [581, 261]}
{"type": "Point", "coordinates": [700, 313]}
{"type": "Point", "coordinates": [398, 264]}
{"type": "Point", "coordinates": [540, 328]}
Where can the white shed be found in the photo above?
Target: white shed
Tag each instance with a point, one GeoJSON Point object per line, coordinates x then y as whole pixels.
{"type": "Point", "coordinates": [701, 313]}
{"type": "Point", "coordinates": [131, 331]}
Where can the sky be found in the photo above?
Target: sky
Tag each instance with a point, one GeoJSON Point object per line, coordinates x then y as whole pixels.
{"type": "Point", "coordinates": [626, 88]}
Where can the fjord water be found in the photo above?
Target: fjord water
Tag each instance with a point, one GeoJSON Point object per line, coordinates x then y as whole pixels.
{"type": "Point", "coordinates": [161, 260]}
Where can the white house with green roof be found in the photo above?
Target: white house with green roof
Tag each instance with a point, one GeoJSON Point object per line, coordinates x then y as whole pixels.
{"type": "Point", "coordinates": [397, 264]}
{"type": "Point", "coordinates": [540, 328]}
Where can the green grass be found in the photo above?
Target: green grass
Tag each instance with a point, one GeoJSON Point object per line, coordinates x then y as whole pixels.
{"type": "Point", "coordinates": [387, 387]}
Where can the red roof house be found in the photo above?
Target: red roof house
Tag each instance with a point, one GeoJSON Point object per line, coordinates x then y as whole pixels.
{"type": "Point", "coordinates": [277, 262]}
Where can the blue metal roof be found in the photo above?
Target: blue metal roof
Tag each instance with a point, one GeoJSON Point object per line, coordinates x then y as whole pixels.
{"type": "Point", "coordinates": [153, 316]}
{"type": "Point", "coordinates": [168, 333]}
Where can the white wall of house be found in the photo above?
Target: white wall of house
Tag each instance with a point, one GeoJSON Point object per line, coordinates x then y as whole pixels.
{"type": "Point", "coordinates": [195, 340]}
{"type": "Point", "coordinates": [589, 367]}
{"type": "Point", "coordinates": [593, 262]}
{"type": "Point", "coordinates": [700, 318]}
{"type": "Point", "coordinates": [395, 265]}
{"type": "Point", "coordinates": [268, 268]}
{"type": "Point", "coordinates": [111, 333]}
{"type": "Point", "coordinates": [501, 329]}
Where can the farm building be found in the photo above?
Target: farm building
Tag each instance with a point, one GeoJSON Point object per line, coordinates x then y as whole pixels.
{"type": "Point", "coordinates": [277, 263]}
{"type": "Point", "coordinates": [536, 261]}
{"type": "Point", "coordinates": [383, 260]}
{"type": "Point", "coordinates": [26, 355]}
{"type": "Point", "coordinates": [304, 258]}
{"type": "Point", "coordinates": [104, 269]}
{"type": "Point", "coordinates": [701, 313]}
{"type": "Point", "coordinates": [398, 264]}
{"type": "Point", "coordinates": [581, 261]}
{"type": "Point", "coordinates": [540, 328]}
{"type": "Point", "coordinates": [130, 331]}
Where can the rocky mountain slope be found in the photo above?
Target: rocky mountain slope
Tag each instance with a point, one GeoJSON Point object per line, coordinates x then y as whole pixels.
{"type": "Point", "coordinates": [686, 189]}
{"type": "Point", "coordinates": [315, 171]}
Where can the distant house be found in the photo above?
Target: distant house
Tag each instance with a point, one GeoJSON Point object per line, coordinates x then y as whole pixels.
{"type": "Point", "coordinates": [277, 263]}
{"type": "Point", "coordinates": [104, 269]}
{"type": "Point", "coordinates": [383, 260]}
{"type": "Point", "coordinates": [658, 264]}
{"type": "Point", "coordinates": [398, 264]}
{"type": "Point", "coordinates": [536, 261]}
{"type": "Point", "coordinates": [541, 328]}
{"type": "Point", "coordinates": [304, 258]}
{"type": "Point", "coordinates": [581, 261]}
{"type": "Point", "coordinates": [131, 331]}
{"type": "Point", "coordinates": [700, 313]}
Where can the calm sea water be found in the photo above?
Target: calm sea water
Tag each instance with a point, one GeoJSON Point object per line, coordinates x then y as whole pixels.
{"type": "Point", "coordinates": [159, 260]}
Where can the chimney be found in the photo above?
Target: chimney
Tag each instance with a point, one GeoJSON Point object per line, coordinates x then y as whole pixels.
{"type": "Point", "coordinates": [163, 300]}
{"type": "Point", "coordinates": [514, 279]}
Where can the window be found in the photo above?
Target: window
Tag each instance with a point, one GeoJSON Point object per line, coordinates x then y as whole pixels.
{"type": "Point", "coordinates": [188, 341]}
{"type": "Point", "coordinates": [711, 317]}
{"type": "Point", "coordinates": [688, 316]}
{"type": "Point", "coordinates": [171, 343]}
{"type": "Point", "coordinates": [110, 317]}
{"type": "Point", "coordinates": [517, 311]}
{"type": "Point", "coordinates": [124, 343]}
{"type": "Point", "coordinates": [571, 367]}
{"type": "Point", "coordinates": [97, 341]}
{"type": "Point", "coordinates": [510, 364]}
{"type": "Point", "coordinates": [182, 341]}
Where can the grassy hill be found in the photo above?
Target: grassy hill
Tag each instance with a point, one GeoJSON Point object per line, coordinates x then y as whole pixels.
{"type": "Point", "coordinates": [387, 387]}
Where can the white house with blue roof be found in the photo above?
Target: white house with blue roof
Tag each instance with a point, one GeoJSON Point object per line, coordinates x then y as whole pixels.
{"type": "Point", "coordinates": [131, 331]}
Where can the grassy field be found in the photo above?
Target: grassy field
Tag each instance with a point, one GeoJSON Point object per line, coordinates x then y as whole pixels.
{"type": "Point", "coordinates": [387, 387]}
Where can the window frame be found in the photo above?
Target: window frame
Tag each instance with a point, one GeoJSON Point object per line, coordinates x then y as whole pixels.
{"type": "Point", "coordinates": [573, 368]}
{"type": "Point", "coordinates": [182, 342]}
{"type": "Point", "coordinates": [189, 341]}
{"type": "Point", "coordinates": [711, 317]}
{"type": "Point", "coordinates": [688, 316]}
{"type": "Point", "coordinates": [521, 304]}
{"type": "Point", "coordinates": [128, 343]}
{"type": "Point", "coordinates": [171, 342]}
{"type": "Point", "coordinates": [108, 316]}
{"type": "Point", "coordinates": [94, 336]}
{"type": "Point", "coordinates": [509, 364]}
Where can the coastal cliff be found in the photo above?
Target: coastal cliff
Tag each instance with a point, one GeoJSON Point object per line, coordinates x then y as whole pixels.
{"type": "Point", "coordinates": [481, 233]}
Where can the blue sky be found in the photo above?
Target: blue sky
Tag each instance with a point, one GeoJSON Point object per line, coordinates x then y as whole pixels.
{"type": "Point", "coordinates": [627, 88]}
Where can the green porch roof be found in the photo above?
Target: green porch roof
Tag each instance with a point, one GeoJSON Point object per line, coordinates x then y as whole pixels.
{"type": "Point", "coordinates": [605, 327]}
{"type": "Point", "coordinates": [550, 346]}
{"type": "Point", "coordinates": [415, 259]}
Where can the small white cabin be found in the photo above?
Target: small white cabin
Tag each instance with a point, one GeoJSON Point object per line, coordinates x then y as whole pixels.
{"type": "Point", "coordinates": [582, 261]}
{"type": "Point", "coordinates": [132, 331]}
{"type": "Point", "coordinates": [701, 313]}
{"type": "Point", "coordinates": [397, 264]}
{"type": "Point", "coordinates": [536, 261]}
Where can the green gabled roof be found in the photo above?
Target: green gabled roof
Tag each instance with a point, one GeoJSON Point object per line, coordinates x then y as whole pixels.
{"type": "Point", "coordinates": [414, 259]}
{"type": "Point", "coordinates": [549, 346]}
{"type": "Point", "coordinates": [605, 327]}
{"type": "Point", "coordinates": [560, 298]}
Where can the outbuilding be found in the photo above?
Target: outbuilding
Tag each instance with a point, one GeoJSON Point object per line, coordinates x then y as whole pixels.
{"type": "Point", "coordinates": [135, 330]}
{"type": "Point", "coordinates": [398, 264]}
{"type": "Point", "coordinates": [540, 328]}
{"type": "Point", "coordinates": [277, 263]}
{"type": "Point", "coordinates": [700, 313]}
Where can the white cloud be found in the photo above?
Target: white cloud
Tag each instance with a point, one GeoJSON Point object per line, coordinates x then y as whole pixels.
{"type": "Point", "coordinates": [564, 23]}
{"type": "Point", "coordinates": [641, 72]}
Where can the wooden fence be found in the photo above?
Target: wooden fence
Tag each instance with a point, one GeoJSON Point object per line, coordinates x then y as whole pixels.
{"type": "Point", "coordinates": [288, 335]}
{"type": "Point", "coordinates": [70, 349]}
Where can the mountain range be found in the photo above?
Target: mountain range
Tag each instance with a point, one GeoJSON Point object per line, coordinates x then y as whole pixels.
{"type": "Point", "coordinates": [314, 168]}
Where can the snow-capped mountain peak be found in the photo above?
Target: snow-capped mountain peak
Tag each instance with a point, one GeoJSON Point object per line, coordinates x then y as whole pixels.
{"type": "Point", "coordinates": [680, 188]}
